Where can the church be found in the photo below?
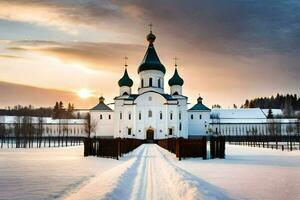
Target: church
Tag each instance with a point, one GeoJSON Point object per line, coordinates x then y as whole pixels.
{"type": "Point", "coordinates": [152, 112]}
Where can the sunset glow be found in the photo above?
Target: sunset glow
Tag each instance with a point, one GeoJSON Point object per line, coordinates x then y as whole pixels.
{"type": "Point", "coordinates": [84, 93]}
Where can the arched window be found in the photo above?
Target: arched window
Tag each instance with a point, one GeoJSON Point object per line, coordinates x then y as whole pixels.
{"type": "Point", "coordinates": [120, 115]}
{"type": "Point", "coordinates": [180, 126]}
{"type": "Point", "coordinates": [125, 93]}
{"type": "Point", "coordinates": [171, 116]}
{"type": "Point", "coordinates": [158, 83]}
{"type": "Point", "coordinates": [175, 93]}
{"type": "Point", "coordinates": [149, 113]}
{"type": "Point", "coordinates": [160, 115]}
{"type": "Point", "coordinates": [142, 83]}
{"type": "Point", "coordinates": [140, 115]}
{"type": "Point", "coordinates": [109, 116]}
{"type": "Point", "coordinates": [179, 116]}
{"type": "Point", "coordinates": [150, 82]}
{"type": "Point", "coordinates": [192, 116]}
{"type": "Point", "coordinates": [100, 116]}
{"type": "Point", "coordinates": [129, 116]}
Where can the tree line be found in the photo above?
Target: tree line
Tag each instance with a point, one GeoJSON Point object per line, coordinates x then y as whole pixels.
{"type": "Point", "coordinates": [288, 103]}
{"type": "Point", "coordinates": [58, 111]}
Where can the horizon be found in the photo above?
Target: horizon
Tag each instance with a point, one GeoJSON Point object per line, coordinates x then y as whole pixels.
{"type": "Point", "coordinates": [73, 51]}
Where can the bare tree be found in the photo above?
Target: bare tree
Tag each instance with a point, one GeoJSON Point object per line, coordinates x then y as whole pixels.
{"type": "Point", "coordinates": [89, 125]}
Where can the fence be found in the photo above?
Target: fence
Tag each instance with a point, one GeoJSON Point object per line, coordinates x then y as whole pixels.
{"type": "Point", "coordinates": [39, 142]}
{"type": "Point", "coordinates": [217, 147]}
{"type": "Point", "coordinates": [185, 148]}
{"type": "Point", "coordinates": [282, 142]}
{"type": "Point", "coordinates": [110, 148]}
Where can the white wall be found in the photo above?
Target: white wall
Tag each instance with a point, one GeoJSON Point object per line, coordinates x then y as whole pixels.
{"type": "Point", "coordinates": [197, 125]}
{"type": "Point", "coordinates": [155, 75]}
{"type": "Point", "coordinates": [104, 126]}
{"type": "Point", "coordinates": [143, 104]}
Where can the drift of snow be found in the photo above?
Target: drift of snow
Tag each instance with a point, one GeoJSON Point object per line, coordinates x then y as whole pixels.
{"type": "Point", "coordinates": [149, 174]}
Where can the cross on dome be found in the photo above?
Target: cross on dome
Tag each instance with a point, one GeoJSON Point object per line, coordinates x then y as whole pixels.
{"type": "Point", "coordinates": [175, 61]}
{"type": "Point", "coordinates": [125, 62]}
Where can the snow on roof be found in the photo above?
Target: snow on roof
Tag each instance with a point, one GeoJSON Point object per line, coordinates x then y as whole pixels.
{"type": "Point", "coordinates": [46, 120]}
{"type": "Point", "coordinates": [275, 112]}
{"type": "Point", "coordinates": [242, 113]}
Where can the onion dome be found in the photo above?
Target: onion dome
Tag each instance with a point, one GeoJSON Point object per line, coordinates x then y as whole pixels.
{"type": "Point", "coordinates": [151, 60]}
{"type": "Point", "coordinates": [176, 79]}
{"type": "Point", "coordinates": [125, 80]}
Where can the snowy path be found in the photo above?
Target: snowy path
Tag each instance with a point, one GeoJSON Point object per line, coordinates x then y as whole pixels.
{"type": "Point", "coordinates": [149, 173]}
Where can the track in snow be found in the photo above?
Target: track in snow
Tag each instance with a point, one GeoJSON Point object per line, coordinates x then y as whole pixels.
{"type": "Point", "coordinates": [149, 173]}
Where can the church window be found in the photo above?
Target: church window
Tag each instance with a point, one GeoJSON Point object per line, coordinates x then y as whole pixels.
{"type": "Point", "coordinates": [180, 126]}
{"type": "Point", "coordinates": [150, 82]}
{"type": "Point", "coordinates": [129, 116]}
{"type": "Point", "coordinates": [149, 113]}
{"type": "Point", "coordinates": [142, 83]}
{"type": "Point", "coordinates": [125, 93]}
{"type": "Point", "coordinates": [200, 116]}
{"type": "Point", "coordinates": [170, 131]}
{"type": "Point", "coordinates": [129, 131]}
{"type": "Point", "coordinates": [160, 115]}
{"type": "Point", "coordinates": [171, 116]}
{"type": "Point", "coordinates": [192, 116]}
{"type": "Point", "coordinates": [109, 116]}
{"type": "Point", "coordinates": [100, 116]}
{"type": "Point", "coordinates": [158, 83]}
{"type": "Point", "coordinates": [120, 115]}
{"type": "Point", "coordinates": [175, 93]}
{"type": "Point", "coordinates": [140, 115]}
{"type": "Point", "coordinates": [179, 116]}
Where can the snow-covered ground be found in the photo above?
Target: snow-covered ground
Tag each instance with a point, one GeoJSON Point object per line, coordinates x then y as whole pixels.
{"type": "Point", "coordinates": [149, 172]}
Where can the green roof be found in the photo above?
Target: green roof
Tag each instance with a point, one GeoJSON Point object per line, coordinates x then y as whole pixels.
{"type": "Point", "coordinates": [199, 106]}
{"type": "Point", "coordinates": [125, 80]}
{"type": "Point", "coordinates": [176, 79]}
{"type": "Point", "coordinates": [151, 60]}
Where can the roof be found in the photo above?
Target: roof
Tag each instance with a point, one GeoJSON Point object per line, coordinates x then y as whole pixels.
{"type": "Point", "coordinates": [134, 96]}
{"type": "Point", "coordinates": [275, 112]}
{"type": "Point", "coordinates": [125, 80]}
{"type": "Point", "coordinates": [242, 113]}
{"type": "Point", "coordinates": [101, 106]}
{"type": "Point", "coordinates": [199, 106]}
{"type": "Point", "coordinates": [151, 60]}
{"type": "Point", "coordinates": [176, 79]}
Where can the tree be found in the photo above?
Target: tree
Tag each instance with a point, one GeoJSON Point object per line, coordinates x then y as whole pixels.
{"type": "Point", "coordinates": [216, 106]}
{"type": "Point", "coordinates": [270, 114]}
{"type": "Point", "coordinates": [89, 125]}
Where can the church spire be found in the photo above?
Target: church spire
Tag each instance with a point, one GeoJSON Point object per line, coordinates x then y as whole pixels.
{"type": "Point", "coordinates": [151, 37]}
{"type": "Point", "coordinates": [125, 80]}
{"type": "Point", "coordinates": [151, 60]}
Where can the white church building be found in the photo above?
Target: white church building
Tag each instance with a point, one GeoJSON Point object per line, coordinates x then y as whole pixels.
{"type": "Point", "coordinates": [152, 112]}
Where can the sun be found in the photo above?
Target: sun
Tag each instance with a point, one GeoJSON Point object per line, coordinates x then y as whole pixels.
{"type": "Point", "coordinates": [84, 93]}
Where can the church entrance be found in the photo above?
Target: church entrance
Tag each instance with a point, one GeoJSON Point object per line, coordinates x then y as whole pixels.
{"type": "Point", "coordinates": [150, 136]}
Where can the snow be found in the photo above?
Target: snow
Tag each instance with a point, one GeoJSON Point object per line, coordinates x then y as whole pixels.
{"type": "Point", "coordinates": [149, 172]}
{"type": "Point", "coordinates": [47, 173]}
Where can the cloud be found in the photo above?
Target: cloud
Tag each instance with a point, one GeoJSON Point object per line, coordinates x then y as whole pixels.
{"type": "Point", "coordinates": [9, 56]}
{"type": "Point", "coordinates": [39, 96]}
{"type": "Point", "coordinates": [99, 56]}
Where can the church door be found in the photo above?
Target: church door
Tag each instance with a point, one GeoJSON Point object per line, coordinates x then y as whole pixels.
{"type": "Point", "coordinates": [150, 135]}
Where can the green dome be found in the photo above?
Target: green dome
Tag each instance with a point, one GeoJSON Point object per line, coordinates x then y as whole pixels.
{"type": "Point", "coordinates": [151, 60]}
{"type": "Point", "coordinates": [125, 80]}
{"type": "Point", "coordinates": [176, 79]}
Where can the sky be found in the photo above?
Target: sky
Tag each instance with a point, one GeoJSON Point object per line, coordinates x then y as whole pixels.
{"type": "Point", "coordinates": [73, 50]}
